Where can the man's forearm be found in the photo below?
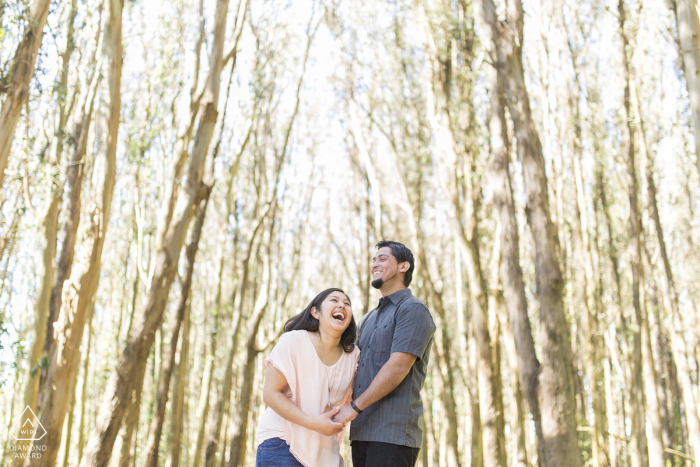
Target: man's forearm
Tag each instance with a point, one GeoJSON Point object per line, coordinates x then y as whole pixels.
{"type": "Point", "coordinates": [388, 378]}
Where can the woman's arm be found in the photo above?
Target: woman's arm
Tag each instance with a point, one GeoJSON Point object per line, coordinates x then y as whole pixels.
{"type": "Point", "coordinates": [273, 396]}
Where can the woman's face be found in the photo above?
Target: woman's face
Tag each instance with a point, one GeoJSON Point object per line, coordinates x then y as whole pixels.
{"type": "Point", "coordinates": [335, 313]}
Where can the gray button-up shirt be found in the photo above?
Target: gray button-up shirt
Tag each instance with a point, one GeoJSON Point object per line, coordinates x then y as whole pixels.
{"type": "Point", "coordinates": [401, 323]}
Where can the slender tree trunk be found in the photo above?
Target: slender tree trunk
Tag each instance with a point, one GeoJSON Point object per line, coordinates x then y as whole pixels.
{"type": "Point", "coordinates": [640, 336]}
{"type": "Point", "coordinates": [71, 415]}
{"type": "Point", "coordinates": [130, 425]}
{"type": "Point", "coordinates": [556, 395]}
{"type": "Point", "coordinates": [583, 243]}
{"type": "Point", "coordinates": [186, 284]}
{"type": "Point", "coordinates": [447, 373]}
{"type": "Point", "coordinates": [689, 34]}
{"type": "Point", "coordinates": [222, 404]}
{"type": "Point", "coordinates": [678, 341]}
{"type": "Point", "coordinates": [133, 359]}
{"type": "Point", "coordinates": [50, 223]}
{"type": "Point", "coordinates": [84, 278]}
{"type": "Point", "coordinates": [477, 451]}
{"type": "Point", "coordinates": [656, 446]}
{"type": "Point", "coordinates": [20, 75]}
{"type": "Point", "coordinates": [69, 423]}
{"type": "Point", "coordinates": [175, 443]}
{"type": "Point", "coordinates": [510, 270]}
{"type": "Point", "coordinates": [237, 454]}
{"type": "Point", "coordinates": [164, 383]}
{"type": "Point", "coordinates": [75, 175]}
{"type": "Point", "coordinates": [83, 391]}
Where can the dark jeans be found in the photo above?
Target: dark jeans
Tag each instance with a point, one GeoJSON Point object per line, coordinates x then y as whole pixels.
{"type": "Point", "coordinates": [274, 452]}
{"type": "Point", "coordinates": [376, 454]}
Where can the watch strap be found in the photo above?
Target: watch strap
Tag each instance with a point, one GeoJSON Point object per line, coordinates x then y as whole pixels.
{"type": "Point", "coordinates": [357, 409]}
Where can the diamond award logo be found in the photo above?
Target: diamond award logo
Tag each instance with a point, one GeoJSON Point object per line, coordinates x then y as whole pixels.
{"type": "Point", "coordinates": [28, 427]}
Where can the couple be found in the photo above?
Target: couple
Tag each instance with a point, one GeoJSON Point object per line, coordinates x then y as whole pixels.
{"type": "Point", "coordinates": [324, 372]}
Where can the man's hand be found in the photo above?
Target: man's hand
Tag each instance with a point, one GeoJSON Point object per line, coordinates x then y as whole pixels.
{"type": "Point", "coordinates": [345, 415]}
{"type": "Point", "coordinates": [325, 425]}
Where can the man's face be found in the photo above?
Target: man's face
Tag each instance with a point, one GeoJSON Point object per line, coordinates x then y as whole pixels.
{"type": "Point", "coordinates": [384, 267]}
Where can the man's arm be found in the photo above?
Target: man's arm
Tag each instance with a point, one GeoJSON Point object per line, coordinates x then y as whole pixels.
{"type": "Point", "coordinates": [389, 377]}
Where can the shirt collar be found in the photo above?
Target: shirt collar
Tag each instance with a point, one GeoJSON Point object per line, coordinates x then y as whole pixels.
{"type": "Point", "coordinates": [396, 297]}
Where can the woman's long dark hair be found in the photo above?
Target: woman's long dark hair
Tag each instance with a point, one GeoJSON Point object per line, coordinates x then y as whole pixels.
{"type": "Point", "coordinates": [306, 321]}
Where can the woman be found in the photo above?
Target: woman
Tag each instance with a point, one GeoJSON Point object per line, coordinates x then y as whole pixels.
{"type": "Point", "coordinates": [307, 375]}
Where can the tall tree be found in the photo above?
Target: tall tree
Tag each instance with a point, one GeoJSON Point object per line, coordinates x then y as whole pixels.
{"type": "Point", "coordinates": [688, 23]}
{"type": "Point", "coordinates": [84, 278]}
{"type": "Point", "coordinates": [556, 387]}
{"type": "Point", "coordinates": [16, 85]}
{"type": "Point", "coordinates": [50, 217]}
{"type": "Point", "coordinates": [132, 361]}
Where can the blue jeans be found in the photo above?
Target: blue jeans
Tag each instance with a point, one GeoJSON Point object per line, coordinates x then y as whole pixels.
{"type": "Point", "coordinates": [274, 452]}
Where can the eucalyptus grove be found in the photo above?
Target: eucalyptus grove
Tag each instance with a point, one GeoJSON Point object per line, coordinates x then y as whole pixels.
{"type": "Point", "coordinates": [177, 179]}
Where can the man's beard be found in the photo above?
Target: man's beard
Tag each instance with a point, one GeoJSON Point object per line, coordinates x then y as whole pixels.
{"type": "Point", "coordinates": [379, 282]}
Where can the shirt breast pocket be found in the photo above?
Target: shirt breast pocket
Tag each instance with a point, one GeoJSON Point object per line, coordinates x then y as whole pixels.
{"type": "Point", "coordinates": [382, 338]}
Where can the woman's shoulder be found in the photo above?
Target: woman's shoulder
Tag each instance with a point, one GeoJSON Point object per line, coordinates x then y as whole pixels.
{"type": "Point", "coordinates": [292, 337]}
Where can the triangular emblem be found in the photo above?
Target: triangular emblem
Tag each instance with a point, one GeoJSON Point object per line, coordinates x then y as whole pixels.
{"type": "Point", "coordinates": [28, 427]}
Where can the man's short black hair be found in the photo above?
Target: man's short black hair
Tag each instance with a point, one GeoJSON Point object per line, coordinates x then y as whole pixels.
{"type": "Point", "coordinates": [402, 255]}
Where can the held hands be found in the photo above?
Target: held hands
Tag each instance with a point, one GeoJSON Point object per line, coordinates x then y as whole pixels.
{"type": "Point", "coordinates": [326, 426]}
{"type": "Point", "coordinates": [346, 414]}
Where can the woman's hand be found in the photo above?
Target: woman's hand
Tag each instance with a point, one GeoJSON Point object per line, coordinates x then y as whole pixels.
{"type": "Point", "coordinates": [327, 427]}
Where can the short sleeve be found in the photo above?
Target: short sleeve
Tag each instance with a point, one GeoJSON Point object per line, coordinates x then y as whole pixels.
{"type": "Point", "coordinates": [348, 394]}
{"type": "Point", "coordinates": [283, 357]}
{"type": "Point", "coordinates": [414, 330]}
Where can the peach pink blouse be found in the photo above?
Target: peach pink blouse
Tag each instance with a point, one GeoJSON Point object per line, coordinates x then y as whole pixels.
{"type": "Point", "coordinates": [296, 358]}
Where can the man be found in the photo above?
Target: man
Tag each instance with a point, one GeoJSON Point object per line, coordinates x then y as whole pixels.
{"type": "Point", "coordinates": [394, 340]}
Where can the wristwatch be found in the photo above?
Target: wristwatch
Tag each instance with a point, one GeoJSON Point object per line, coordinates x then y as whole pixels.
{"type": "Point", "coordinates": [357, 409]}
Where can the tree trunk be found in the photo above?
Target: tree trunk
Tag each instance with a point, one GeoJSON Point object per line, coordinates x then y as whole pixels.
{"type": "Point", "coordinates": [237, 454]}
{"type": "Point", "coordinates": [75, 175]}
{"type": "Point", "coordinates": [689, 34]}
{"type": "Point", "coordinates": [178, 408]}
{"type": "Point", "coordinates": [50, 224]}
{"type": "Point", "coordinates": [477, 451]}
{"type": "Point", "coordinates": [83, 282]}
{"type": "Point", "coordinates": [639, 452]}
{"type": "Point", "coordinates": [156, 428]}
{"type": "Point", "coordinates": [133, 359]}
{"type": "Point", "coordinates": [584, 252]}
{"type": "Point", "coordinates": [510, 270]}
{"type": "Point", "coordinates": [130, 425]}
{"type": "Point", "coordinates": [69, 423]}
{"type": "Point", "coordinates": [83, 391]}
{"type": "Point", "coordinates": [556, 388]}
{"type": "Point", "coordinates": [222, 404]}
{"type": "Point", "coordinates": [678, 341]}
{"type": "Point", "coordinates": [20, 75]}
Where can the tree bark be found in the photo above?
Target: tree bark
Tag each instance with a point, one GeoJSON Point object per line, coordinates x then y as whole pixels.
{"type": "Point", "coordinates": [237, 454]}
{"type": "Point", "coordinates": [83, 391]}
{"type": "Point", "coordinates": [689, 34]}
{"type": "Point", "coordinates": [83, 282]}
{"type": "Point", "coordinates": [222, 404]}
{"type": "Point", "coordinates": [133, 359]}
{"type": "Point", "coordinates": [156, 428]}
{"type": "Point", "coordinates": [556, 388]}
{"type": "Point", "coordinates": [21, 73]}
{"type": "Point", "coordinates": [510, 270]}
{"type": "Point", "coordinates": [178, 408]}
{"type": "Point", "coordinates": [639, 452]}
{"type": "Point", "coordinates": [678, 341]}
{"type": "Point", "coordinates": [49, 225]}
{"type": "Point", "coordinates": [75, 175]}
